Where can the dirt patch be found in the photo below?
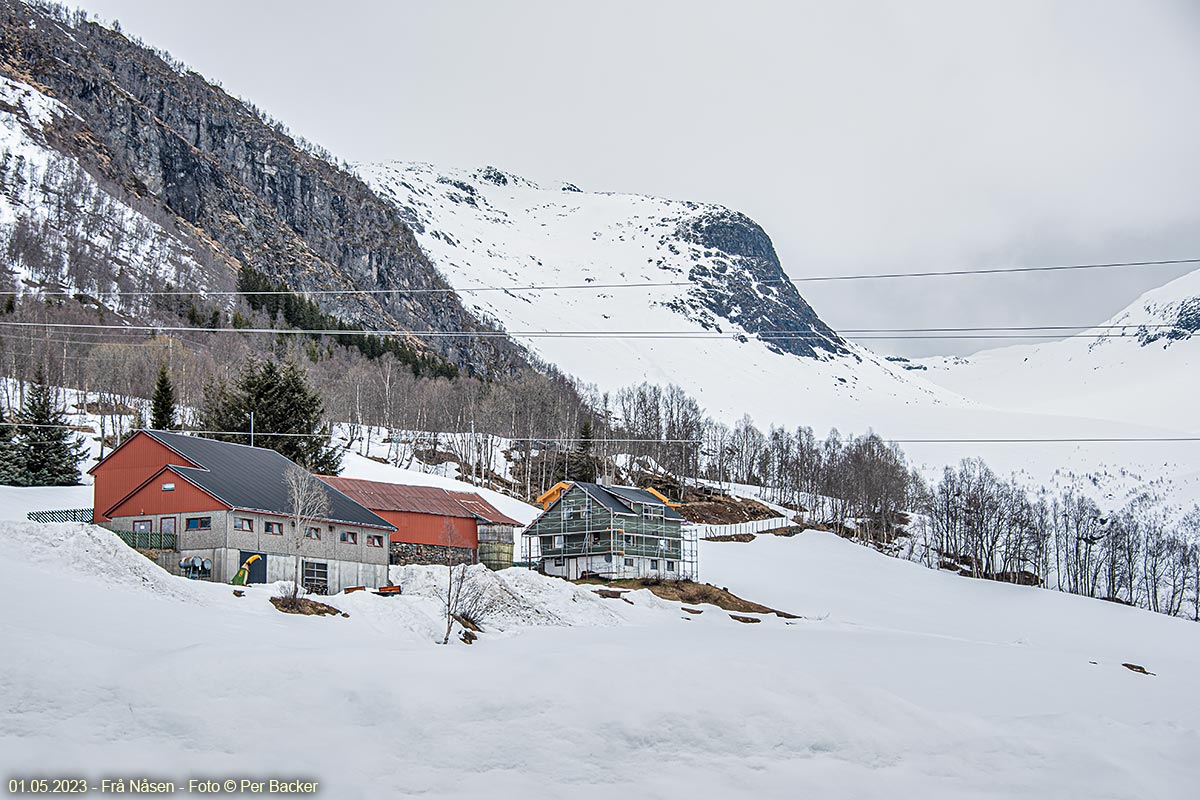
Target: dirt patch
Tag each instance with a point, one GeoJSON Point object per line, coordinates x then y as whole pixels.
{"type": "Point", "coordinates": [791, 530]}
{"type": "Point", "coordinates": [733, 537]}
{"type": "Point", "coordinates": [724, 510]}
{"type": "Point", "coordinates": [693, 594]}
{"type": "Point", "coordinates": [305, 607]}
{"type": "Point", "coordinates": [611, 594]}
{"type": "Point", "coordinates": [747, 620]}
{"type": "Point", "coordinates": [1138, 668]}
{"type": "Point", "coordinates": [693, 610]}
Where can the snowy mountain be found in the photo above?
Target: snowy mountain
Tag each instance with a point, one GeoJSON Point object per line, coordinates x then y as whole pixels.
{"type": "Point", "coordinates": [726, 301]}
{"type": "Point", "coordinates": [1145, 368]}
{"type": "Point", "coordinates": [740, 337]}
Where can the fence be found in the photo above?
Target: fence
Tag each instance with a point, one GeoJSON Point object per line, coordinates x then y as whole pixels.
{"type": "Point", "coordinates": [753, 526]}
{"type": "Point", "coordinates": [61, 515]}
{"type": "Point", "coordinates": [148, 540]}
{"type": "Point", "coordinates": [142, 540]}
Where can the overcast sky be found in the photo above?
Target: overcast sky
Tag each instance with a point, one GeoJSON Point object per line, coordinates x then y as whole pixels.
{"type": "Point", "coordinates": [863, 136]}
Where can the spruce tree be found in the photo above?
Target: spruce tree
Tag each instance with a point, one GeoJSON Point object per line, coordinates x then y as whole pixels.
{"type": "Point", "coordinates": [48, 450]}
{"type": "Point", "coordinates": [10, 462]}
{"type": "Point", "coordinates": [282, 403]}
{"type": "Point", "coordinates": [162, 406]}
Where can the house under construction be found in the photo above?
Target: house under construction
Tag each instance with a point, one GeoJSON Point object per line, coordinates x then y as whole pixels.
{"type": "Point", "coordinates": [614, 532]}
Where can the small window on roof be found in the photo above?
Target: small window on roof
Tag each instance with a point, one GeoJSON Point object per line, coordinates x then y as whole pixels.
{"type": "Point", "coordinates": [168, 487]}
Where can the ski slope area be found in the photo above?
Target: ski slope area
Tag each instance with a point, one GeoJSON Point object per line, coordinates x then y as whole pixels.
{"type": "Point", "coordinates": [897, 682]}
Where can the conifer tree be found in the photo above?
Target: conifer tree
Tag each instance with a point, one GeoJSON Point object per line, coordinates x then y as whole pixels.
{"type": "Point", "coordinates": [162, 405]}
{"type": "Point", "coordinates": [282, 403]}
{"type": "Point", "coordinates": [10, 462]}
{"type": "Point", "coordinates": [48, 450]}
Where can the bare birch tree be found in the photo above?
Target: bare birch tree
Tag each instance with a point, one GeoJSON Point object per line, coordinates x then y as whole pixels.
{"type": "Point", "coordinates": [309, 499]}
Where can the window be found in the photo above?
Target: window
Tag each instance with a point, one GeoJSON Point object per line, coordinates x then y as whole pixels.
{"type": "Point", "coordinates": [168, 487]}
{"type": "Point", "coordinates": [654, 563]}
{"type": "Point", "coordinates": [275, 528]}
{"type": "Point", "coordinates": [348, 537]}
{"type": "Point", "coordinates": [243, 524]}
{"type": "Point", "coordinates": [374, 540]}
{"type": "Point", "coordinates": [558, 562]}
{"type": "Point", "coordinates": [312, 533]}
{"type": "Point", "coordinates": [198, 523]}
{"type": "Point", "coordinates": [670, 566]}
{"type": "Point", "coordinates": [630, 541]}
{"type": "Point", "coordinates": [652, 512]}
{"type": "Point", "coordinates": [316, 577]}
{"type": "Point", "coordinates": [662, 544]}
{"type": "Point", "coordinates": [629, 562]}
{"type": "Point", "coordinates": [576, 508]}
{"type": "Point", "coordinates": [143, 526]}
{"type": "Point", "coordinates": [558, 542]}
{"type": "Point", "coordinates": [608, 558]}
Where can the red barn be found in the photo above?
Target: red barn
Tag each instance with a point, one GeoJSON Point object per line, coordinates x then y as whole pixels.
{"type": "Point", "coordinates": [429, 520]}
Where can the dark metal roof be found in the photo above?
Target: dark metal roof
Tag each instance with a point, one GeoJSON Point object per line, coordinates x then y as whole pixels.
{"type": "Point", "coordinates": [254, 478]}
{"type": "Point", "coordinates": [602, 496]}
{"type": "Point", "coordinates": [633, 494]}
{"type": "Point", "coordinates": [619, 499]}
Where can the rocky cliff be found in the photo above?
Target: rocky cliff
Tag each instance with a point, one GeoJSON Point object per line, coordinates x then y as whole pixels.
{"type": "Point", "coordinates": [237, 185]}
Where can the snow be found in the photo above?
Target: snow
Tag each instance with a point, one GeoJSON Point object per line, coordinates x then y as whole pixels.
{"type": "Point", "coordinates": [520, 234]}
{"type": "Point", "coordinates": [1117, 378]}
{"type": "Point", "coordinates": [898, 682]}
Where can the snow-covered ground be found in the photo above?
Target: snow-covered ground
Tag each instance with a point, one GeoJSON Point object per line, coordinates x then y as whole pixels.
{"type": "Point", "coordinates": [897, 682]}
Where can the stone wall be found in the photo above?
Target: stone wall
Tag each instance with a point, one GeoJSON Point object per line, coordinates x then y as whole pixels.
{"type": "Point", "coordinates": [411, 553]}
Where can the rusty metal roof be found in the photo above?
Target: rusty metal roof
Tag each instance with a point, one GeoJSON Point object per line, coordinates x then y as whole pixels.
{"type": "Point", "coordinates": [483, 509]}
{"type": "Point", "coordinates": [381, 496]}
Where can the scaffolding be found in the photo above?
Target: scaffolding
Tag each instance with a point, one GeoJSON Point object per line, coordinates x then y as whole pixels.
{"type": "Point", "coordinates": [592, 540]}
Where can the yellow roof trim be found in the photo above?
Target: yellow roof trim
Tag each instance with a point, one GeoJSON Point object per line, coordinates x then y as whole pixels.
{"type": "Point", "coordinates": [662, 497]}
{"type": "Point", "coordinates": [547, 498]}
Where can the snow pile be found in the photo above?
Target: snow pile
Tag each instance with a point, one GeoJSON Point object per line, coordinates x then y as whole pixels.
{"type": "Point", "coordinates": [513, 598]}
{"type": "Point", "coordinates": [93, 552]}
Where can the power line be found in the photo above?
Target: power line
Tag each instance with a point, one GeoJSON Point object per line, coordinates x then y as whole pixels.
{"type": "Point", "coordinates": [1051, 440]}
{"type": "Point", "coordinates": [258, 433]}
{"type": "Point", "coordinates": [643, 285]}
{"type": "Point", "coordinates": [1015, 332]}
{"type": "Point", "coordinates": [575, 440]}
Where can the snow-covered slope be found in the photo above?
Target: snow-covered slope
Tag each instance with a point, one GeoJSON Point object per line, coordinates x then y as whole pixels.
{"type": "Point", "coordinates": [490, 228]}
{"type": "Point", "coordinates": [745, 341]}
{"type": "Point", "coordinates": [1146, 369]}
{"type": "Point", "coordinates": [897, 682]}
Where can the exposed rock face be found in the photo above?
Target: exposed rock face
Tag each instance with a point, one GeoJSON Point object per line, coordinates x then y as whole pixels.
{"type": "Point", "coordinates": [1185, 324]}
{"type": "Point", "coordinates": [742, 281]}
{"type": "Point", "coordinates": [168, 138]}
